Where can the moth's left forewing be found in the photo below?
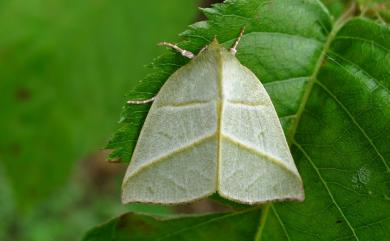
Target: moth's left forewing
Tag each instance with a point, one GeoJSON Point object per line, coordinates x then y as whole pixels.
{"type": "Point", "coordinates": [175, 157]}
{"type": "Point", "coordinates": [255, 161]}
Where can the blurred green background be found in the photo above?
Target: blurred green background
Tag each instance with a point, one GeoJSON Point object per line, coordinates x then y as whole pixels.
{"type": "Point", "coordinates": [65, 66]}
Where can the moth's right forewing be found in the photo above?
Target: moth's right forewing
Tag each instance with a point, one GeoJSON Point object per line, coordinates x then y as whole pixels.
{"type": "Point", "coordinates": [256, 165]}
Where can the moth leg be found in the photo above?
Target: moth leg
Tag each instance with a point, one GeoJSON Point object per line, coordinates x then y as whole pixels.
{"type": "Point", "coordinates": [140, 102]}
{"type": "Point", "coordinates": [183, 52]}
{"type": "Point", "coordinates": [233, 49]}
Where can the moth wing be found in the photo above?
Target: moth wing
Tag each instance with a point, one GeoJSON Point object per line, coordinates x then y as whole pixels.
{"type": "Point", "coordinates": [256, 164]}
{"type": "Point", "coordinates": [175, 157]}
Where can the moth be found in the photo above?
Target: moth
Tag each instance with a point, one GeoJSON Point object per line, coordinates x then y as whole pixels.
{"type": "Point", "coordinates": [211, 128]}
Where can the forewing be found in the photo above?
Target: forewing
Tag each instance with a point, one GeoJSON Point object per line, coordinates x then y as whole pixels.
{"type": "Point", "coordinates": [175, 158]}
{"type": "Point", "coordinates": [255, 162]}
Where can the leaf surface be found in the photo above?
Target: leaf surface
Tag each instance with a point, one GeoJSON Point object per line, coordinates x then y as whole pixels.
{"type": "Point", "coordinates": [329, 82]}
{"type": "Point", "coordinates": [61, 81]}
{"type": "Point", "coordinates": [236, 226]}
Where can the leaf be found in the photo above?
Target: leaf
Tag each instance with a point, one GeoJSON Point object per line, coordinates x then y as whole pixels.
{"type": "Point", "coordinates": [268, 27]}
{"type": "Point", "coordinates": [329, 82]}
{"type": "Point", "coordinates": [236, 226]}
{"type": "Point", "coordinates": [341, 143]}
{"type": "Point", "coordinates": [63, 68]}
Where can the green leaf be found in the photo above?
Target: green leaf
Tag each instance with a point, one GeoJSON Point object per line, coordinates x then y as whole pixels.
{"type": "Point", "coordinates": [330, 84]}
{"type": "Point", "coordinates": [235, 226]}
{"type": "Point", "coordinates": [64, 65]}
{"type": "Point", "coordinates": [341, 143]}
{"type": "Point", "coordinates": [274, 35]}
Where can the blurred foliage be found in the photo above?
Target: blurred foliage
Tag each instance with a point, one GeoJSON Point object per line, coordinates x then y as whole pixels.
{"type": "Point", "coordinates": [74, 208]}
{"type": "Point", "coordinates": [376, 9]}
{"type": "Point", "coordinates": [336, 7]}
{"type": "Point", "coordinates": [64, 69]}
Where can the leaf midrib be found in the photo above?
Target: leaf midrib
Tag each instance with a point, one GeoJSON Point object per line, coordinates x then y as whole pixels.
{"type": "Point", "coordinates": [291, 134]}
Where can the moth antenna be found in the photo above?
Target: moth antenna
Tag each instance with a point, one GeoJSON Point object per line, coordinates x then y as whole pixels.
{"type": "Point", "coordinates": [233, 49]}
{"type": "Point", "coordinates": [140, 102]}
{"type": "Point", "coordinates": [183, 52]}
{"type": "Point", "coordinates": [203, 49]}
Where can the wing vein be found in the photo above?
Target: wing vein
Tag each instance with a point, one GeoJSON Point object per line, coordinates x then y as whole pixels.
{"type": "Point", "coordinates": [183, 104]}
{"type": "Point", "coordinates": [167, 155]}
{"type": "Point", "coordinates": [247, 104]}
{"type": "Point", "coordinates": [260, 154]}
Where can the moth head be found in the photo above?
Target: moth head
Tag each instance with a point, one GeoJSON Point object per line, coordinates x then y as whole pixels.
{"type": "Point", "coordinates": [215, 44]}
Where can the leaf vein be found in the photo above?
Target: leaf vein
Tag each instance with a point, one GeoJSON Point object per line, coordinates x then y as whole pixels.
{"type": "Point", "coordinates": [327, 188]}
{"type": "Point", "coordinates": [294, 79]}
{"type": "Point", "coordinates": [281, 223]}
{"type": "Point", "coordinates": [358, 67]}
{"type": "Point", "coordinates": [365, 40]}
{"type": "Point", "coordinates": [355, 122]}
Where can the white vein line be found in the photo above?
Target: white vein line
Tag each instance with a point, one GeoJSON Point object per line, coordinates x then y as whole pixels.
{"type": "Point", "coordinates": [355, 122]}
{"type": "Point", "coordinates": [374, 223]}
{"type": "Point", "coordinates": [281, 223]}
{"type": "Point", "coordinates": [346, 188]}
{"type": "Point", "coordinates": [357, 67]}
{"type": "Point", "coordinates": [288, 116]}
{"type": "Point", "coordinates": [326, 187]}
{"type": "Point", "coordinates": [365, 40]}
{"type": "Point", "coordinates": [294, 79]}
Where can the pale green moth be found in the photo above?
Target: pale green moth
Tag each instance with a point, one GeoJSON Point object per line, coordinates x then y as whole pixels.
{"type": "Point", "coordinates": [211, 128]}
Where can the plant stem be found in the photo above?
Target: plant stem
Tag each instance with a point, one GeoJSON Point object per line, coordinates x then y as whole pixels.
{"type": "Point", "coordinates": [336, 27]}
